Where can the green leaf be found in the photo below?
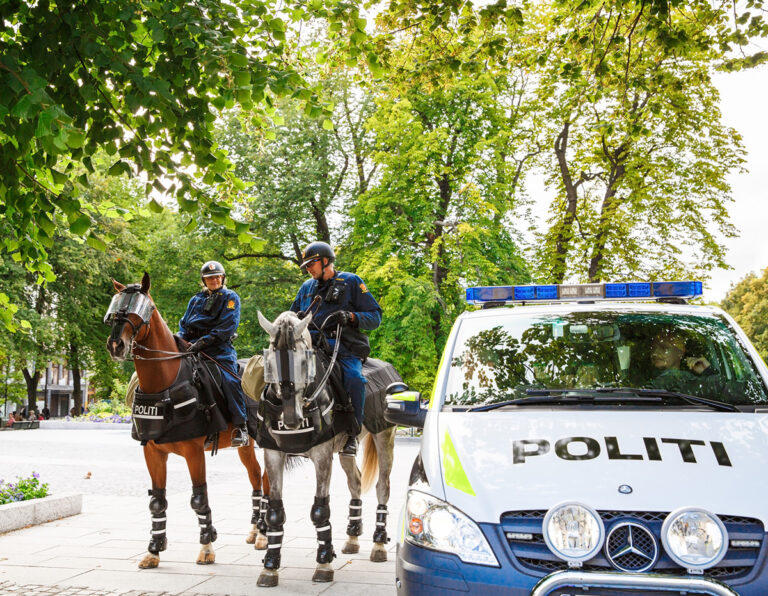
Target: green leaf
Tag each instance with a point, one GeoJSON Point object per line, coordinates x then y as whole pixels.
{"type": "Point", "coordinates": [80, 225]}
{"type": "Point", "coordinates": [238, 61]}
{"type": "Point", "coordinates": [328, 124]}
{"type": "Point", "coordinates": [95, 242]}
{"type": "Point", "coordinates": [155, 207]}
{"type": "Point", "coordinates": [244, 238]}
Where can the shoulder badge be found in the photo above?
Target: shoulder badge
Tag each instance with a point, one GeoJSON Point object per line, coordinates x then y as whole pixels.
{"type": "Point", "coordinates": [231, 304]}
{"type": "Point", "coordinates": [363, 289]}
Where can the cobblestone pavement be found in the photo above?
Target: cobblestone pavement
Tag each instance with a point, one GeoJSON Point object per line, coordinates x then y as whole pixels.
{"type": "Point", "coordinates": [96, 553]}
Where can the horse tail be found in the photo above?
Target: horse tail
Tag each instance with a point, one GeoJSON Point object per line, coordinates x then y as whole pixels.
{"type": "Point", "coordinates": [370, 463]}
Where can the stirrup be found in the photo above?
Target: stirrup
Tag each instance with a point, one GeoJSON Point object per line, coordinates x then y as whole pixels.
{"type": "Point", "coordinates": [240, 436]}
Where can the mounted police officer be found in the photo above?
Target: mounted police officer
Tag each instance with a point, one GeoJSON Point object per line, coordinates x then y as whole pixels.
{"type": "Point", "coordinates": [344, 299]}
{"type": "Point", "coordinates": [210, 323]}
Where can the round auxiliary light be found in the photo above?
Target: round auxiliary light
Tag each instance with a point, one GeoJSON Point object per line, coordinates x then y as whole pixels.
{"type": "Point", "coordinates": [573, 531]}
{"type": "Point", "coordinates": [694, 538]}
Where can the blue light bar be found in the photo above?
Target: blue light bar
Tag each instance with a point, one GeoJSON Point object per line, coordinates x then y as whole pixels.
{"type": "Point", "coordinates": [582, 292]}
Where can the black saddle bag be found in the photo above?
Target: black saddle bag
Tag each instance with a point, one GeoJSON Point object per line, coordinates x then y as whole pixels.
{"type": "Point", "coordinates": [175, 414]}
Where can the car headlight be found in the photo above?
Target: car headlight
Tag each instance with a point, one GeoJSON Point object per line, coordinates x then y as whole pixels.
{"type": "Point", "coordinates": [435, 524]}
{"type": "Point", "coordinates": [694, 538]}
{"type": "Point", "coordinates": [573, 532]}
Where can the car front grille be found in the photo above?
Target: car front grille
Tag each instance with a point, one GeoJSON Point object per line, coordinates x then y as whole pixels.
{"type": "Point", "coordinates": [534, 556]}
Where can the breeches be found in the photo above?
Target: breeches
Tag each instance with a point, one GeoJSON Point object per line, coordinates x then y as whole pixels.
{"type": "Point", "coordinates": [354, 383]}
{"type": "Point", "coordinates": [232, 389]}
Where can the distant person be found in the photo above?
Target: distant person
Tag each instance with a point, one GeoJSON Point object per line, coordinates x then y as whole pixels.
{"type": "Point", "coordinates": [23, 413]}
{"type": "Point", "coordinates": [46, 413]}
{"type": "Point", "coordinates": [11, 419]}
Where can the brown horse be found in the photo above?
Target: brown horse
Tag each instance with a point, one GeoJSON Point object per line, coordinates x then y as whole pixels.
{"type": "Point", "coordinates": [138, 327]}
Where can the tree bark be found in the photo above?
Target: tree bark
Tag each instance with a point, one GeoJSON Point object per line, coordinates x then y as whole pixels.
{"type": "Point", "coordinates": [608, 208]}
{"type": "Point", "coordinates": [31, 380]}
{"type": "Point", "coordinates": [565, 227]}
{"type": "Point", "coordinates": [74, 366]}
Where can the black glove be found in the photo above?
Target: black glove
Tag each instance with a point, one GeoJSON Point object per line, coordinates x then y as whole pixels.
{"type": "Point", "coordinates": [343, 317]}
{"type": "Point", "coordinates": [301, 314]}
{"type": "Point", "coordinates": [197, 346]}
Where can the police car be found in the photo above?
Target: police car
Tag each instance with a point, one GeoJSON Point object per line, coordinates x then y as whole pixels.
{"type": "Point", "coordinates": [597, 439]}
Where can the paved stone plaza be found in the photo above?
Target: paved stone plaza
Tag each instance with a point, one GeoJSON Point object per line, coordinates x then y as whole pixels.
{"type": "Point", "coordinates": [97, 552]}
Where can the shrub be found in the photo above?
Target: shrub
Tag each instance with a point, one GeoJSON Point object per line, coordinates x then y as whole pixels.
{"type": "Point", "coordinates": [23, 490]}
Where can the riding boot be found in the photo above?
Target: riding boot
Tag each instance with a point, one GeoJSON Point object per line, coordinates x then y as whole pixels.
{"type": "Point", "coordinates": [350, 447]}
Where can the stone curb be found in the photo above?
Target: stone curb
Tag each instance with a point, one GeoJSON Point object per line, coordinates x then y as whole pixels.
{"type": "Point", "coordinates": [64, 425]}
{"type": "Point", "coordinates": [38, 511]}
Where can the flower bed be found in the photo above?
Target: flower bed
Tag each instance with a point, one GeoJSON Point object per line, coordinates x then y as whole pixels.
{"type": "Point", "coordinates": [23, 490]}
{"type": "Point", "coordinates": [101, 418]}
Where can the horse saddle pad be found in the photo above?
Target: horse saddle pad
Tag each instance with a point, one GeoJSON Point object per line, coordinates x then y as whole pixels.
{"type": "Point", "coordinates": [183, 411]}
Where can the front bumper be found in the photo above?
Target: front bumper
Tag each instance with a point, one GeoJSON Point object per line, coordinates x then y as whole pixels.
{"type": "Point", "coordinates": [633, 582]}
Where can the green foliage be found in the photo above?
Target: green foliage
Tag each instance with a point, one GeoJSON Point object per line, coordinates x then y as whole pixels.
{"type": "Point", "coordinates": [747, 302]}
{"type": "Point", "coordinates": [23, 489]}
{"type": "Point", "coordinates": [142, 81]}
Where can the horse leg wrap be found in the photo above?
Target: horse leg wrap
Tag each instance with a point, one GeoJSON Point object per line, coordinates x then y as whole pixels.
{"type": "Point", "coordinates": [157, 507]}
{"type": "Point", "coordinates": [275, 518]}
{"type": "Point", "coordinates": [321, 517]}
{"type": "Point", "coordinates": [261, 524]}
{"type": "Point", "coordinates": [355, 525]}
{"type": "Point", "coordinates": [380, 533]}
{"type": "Point", "coordinates": [256, 505]}
{"type": "Point", "coordinates": [199, 504]}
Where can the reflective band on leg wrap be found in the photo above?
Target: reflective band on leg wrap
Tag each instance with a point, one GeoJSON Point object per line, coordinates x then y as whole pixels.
{"type": "Point", "coordinates": [320, 516]}
{"type": "Point", "coordinates": [355, 525]}
{"type": "Point", "coordinates": [380, 533]}
{"type": "Point", "coordinates": [275, 518]}
{"type": "Point", "coordinates": [262, 523]}
{"type": "Point", "coordinates": [256, 505]}
{"type": "Point", "coordinates": [199, 504]}
{"type": "Point", "coordinates": [157, 506]}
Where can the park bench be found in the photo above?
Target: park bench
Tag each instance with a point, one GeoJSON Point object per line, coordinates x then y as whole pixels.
{"type": "Point", "coordinates": [26, 424]}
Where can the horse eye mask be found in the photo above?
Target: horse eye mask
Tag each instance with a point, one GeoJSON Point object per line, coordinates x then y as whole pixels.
{"type": "Point", "coordinates": [296, 366]}
{"type": "Point", "coordinates": [126, 303]}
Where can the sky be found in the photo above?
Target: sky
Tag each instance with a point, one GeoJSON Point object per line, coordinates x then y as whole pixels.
{"type": "Point", "coordinates": [743, 105]}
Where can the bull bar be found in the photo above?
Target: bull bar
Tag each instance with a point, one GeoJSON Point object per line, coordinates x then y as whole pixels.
{"type": "Point", "coordinates": [648, 582]}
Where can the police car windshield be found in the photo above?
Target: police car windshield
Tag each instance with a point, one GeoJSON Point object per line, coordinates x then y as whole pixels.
{"type": "Point", "coordinates": [510, 357]}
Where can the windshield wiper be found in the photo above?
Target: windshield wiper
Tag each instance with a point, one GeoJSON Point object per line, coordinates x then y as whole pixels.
{"type": "Point", "coordinates": [565, 396]}
{"type": "Point", "coordinates": [663, 393]}
{"type": "Point", "coordinates": [598, 395]}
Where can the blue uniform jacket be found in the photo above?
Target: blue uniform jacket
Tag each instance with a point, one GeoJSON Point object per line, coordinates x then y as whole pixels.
{"type": "Point", "coordinates": [355, 298]}
{"type": "Point", "coordinates": [218, 326]}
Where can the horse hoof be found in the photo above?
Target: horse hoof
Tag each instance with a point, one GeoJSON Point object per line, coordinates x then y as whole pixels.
{"type": "Point", "coordinates": [261, 542]}
{"type": "Point", "coordinates": [207, 555]}
{"type": "Point", "coordinates": [350, 548]}
{"type": "Point", "coordinates": [149, 562]}
{"type": "Point", "coordinates": [267, 579]}
{"type": "Point", "coordinates": [251, 539]}
{"type": "Point", "coordinates": [323, 575]}
{"type": "Point", "coordinates": [379, 553]}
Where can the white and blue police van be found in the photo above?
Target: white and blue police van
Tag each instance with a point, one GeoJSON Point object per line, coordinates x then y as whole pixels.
{"type": "Point", "coordinates": [597, 439]}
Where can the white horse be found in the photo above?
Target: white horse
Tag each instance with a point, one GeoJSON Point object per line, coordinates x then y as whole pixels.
{"type": "Point", "coordinates": [297, 411]}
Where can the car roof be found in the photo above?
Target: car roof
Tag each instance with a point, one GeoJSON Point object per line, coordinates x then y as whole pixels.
{"type": "Point", "coordinates": [597, 306]}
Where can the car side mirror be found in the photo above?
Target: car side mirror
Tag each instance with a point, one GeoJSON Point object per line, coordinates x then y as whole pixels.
{"type": "Point", "coordinates": [405, 407]}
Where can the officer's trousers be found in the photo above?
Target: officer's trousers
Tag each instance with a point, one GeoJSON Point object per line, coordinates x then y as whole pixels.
{"type": "Point", "coordinates": [354, 384]}
{"type": "Point", "coordinates": [231, 386]}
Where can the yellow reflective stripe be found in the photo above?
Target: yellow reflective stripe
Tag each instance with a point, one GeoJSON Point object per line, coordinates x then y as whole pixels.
{"type": "Point", "coordinates": [433, 400]}
{"type": "Point", "coordinates": [453, 471]}
{"type": "Point", "coordinates": [406, 395]}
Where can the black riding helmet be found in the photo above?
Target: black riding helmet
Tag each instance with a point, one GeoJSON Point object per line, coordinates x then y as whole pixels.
{"type": "Point", "coordinates": [212, 268]}
{"type": "Point", "coordinates": [317, 250]}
